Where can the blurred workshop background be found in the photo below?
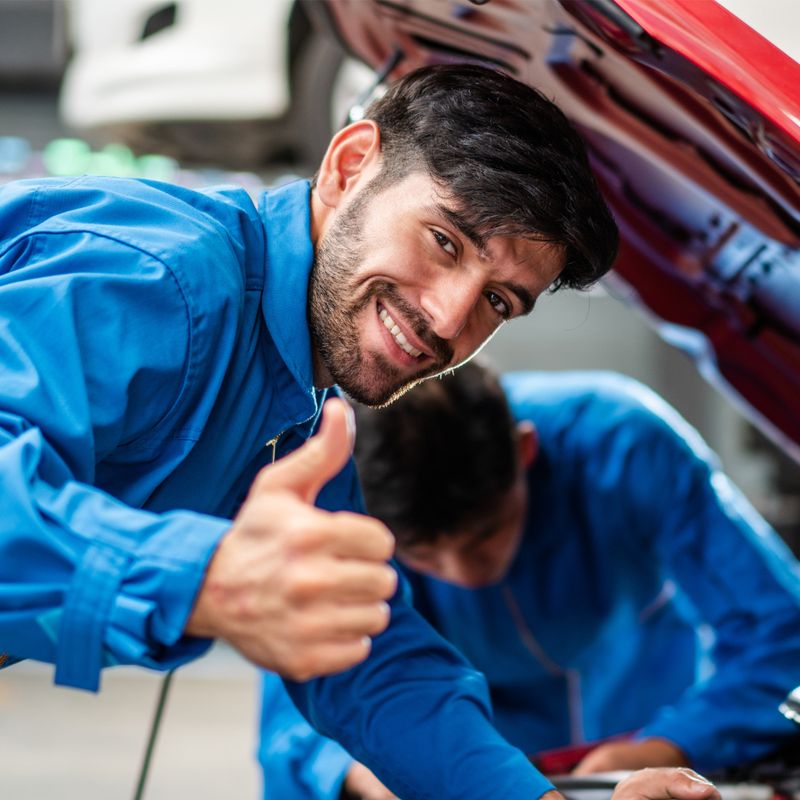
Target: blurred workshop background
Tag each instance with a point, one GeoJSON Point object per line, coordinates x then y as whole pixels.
{"type": "Point", "coordinates": [248, 91]}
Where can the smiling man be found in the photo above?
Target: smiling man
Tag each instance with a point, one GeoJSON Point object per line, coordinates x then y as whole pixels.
{"type": "Point", "coordinates": [153, 340]}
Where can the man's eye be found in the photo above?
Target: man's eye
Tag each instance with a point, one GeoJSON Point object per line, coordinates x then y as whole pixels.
{"type": "Point", "coordinates": [445, 243]}
{"type": "Point", "coordinates": [498, 304]}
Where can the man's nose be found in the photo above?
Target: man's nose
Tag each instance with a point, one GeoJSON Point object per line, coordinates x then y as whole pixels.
{"type": "Point", "coordinates": [449, 305]}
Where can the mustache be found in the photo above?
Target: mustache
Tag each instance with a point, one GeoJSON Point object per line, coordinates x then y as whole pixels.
{"type": "Point", "coordinates": [441, 350]}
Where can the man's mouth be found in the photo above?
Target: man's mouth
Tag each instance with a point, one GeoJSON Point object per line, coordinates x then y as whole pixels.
{"type": "Point", "coordinates": [397, 334]}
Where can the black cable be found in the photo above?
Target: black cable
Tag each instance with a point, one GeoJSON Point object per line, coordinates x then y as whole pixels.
{"type": "Point", "coordinates": [151, 740]}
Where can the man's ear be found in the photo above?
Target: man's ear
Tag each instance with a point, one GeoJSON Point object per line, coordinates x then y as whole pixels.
{"type": "Point", "coordinates": [527, 444]}
{"type": "Point", "coordinates": [352, 157]}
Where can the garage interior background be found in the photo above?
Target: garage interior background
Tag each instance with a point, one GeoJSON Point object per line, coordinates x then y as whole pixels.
{"type": "Point", "coordinates": [76, 745]}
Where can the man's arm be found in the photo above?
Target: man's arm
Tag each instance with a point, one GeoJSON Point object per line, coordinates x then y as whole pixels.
{"type": "Point", "coordinates": [86, 580]}
{"type": "Point", "coordinates": [297, 762]}
{"type": "Point", "coordinates": [110, 357]}
{"type": "Point", "coordinates": [300, 764]}
{"type": "Point", "coordinates": [738, 578]}
{"type": "Point", "coordinates": [419, 718]}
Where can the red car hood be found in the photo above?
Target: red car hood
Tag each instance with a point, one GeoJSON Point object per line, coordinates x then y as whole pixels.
{"type": "Point", "coordinates": [692, 121]}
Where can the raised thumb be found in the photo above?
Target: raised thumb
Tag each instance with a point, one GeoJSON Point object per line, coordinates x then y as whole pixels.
{"type": "Point", "coordinates": [305, 471]}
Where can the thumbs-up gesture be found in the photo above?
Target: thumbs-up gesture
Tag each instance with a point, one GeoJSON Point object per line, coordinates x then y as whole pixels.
{"type": "Point", "coordinates": [295, 589]}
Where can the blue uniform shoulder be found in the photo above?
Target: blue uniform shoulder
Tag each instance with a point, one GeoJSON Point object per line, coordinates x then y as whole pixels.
{"type": "Point", "coordinates": [212, 237]}
{"type": "Point", "coordinates": [596, 407]}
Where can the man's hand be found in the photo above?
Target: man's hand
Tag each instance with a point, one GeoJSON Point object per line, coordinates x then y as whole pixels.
{"type": "Point", "coordinates": [297, 590]}
{"type": "Point", "coordinates": [625, 755]}
{"type": "Point", "coordinates": [679, 783]}
{"type": "Point", "coordinates": [362, 784]}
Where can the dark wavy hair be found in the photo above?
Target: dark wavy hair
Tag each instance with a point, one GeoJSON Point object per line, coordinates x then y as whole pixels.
{"type": "Point", "coordinates": [443, 453]}
{"type": "Point", "coordinates": [507, 155]}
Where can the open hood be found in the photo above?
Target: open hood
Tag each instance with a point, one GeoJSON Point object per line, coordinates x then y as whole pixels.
{"type": "Point", "coordinates": [692, 121]}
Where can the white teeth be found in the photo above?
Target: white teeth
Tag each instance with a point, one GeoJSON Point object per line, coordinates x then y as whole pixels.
{"type": "Point", "coordinates": [394, 329]}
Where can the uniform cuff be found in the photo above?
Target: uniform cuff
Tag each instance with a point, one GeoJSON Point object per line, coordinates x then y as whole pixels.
{"type": "Point", "coordinates": [132, 608]}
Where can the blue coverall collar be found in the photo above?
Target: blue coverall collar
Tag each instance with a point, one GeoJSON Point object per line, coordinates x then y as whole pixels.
{"type": "Point", "coordinates": [286, 214]}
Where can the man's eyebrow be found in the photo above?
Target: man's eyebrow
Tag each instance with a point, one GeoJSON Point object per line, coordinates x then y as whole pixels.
{"type": "Point", "coordinates": [457, 220]}
{"type": "Point", "coordinates": [525, 297]}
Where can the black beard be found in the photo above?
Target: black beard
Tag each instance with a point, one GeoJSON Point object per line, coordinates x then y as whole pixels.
{"type": "Point", "coordinates": [333, 313]}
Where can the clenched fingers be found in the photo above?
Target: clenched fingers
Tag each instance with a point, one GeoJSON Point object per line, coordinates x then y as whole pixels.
{"type": "Point", "coordinates": [342, 622]}
{"type": "Point", "coordinates": [321, 580]}
{"type": "Point", "coordinates": [345, 535]}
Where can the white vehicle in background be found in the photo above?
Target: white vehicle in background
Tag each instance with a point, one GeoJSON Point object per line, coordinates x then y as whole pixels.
{"type": "Point", "coordinates": [235, 83]}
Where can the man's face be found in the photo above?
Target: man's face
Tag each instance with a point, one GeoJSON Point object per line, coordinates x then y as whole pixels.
{"type": "Point", "coordinates": [399, 293]}
{"type": "Point", "coordinates": [480, 553]}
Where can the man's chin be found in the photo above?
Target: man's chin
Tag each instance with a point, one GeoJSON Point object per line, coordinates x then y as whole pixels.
{"type": "Point", "coordinates": [372, 380]}
{"type": "Point", "coordinates": [377, 396]}
{"type": "Point", "coordinates": [378, 393]}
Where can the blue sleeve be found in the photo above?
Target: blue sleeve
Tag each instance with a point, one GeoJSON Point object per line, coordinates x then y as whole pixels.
{"type": "Point", "coordinates": [419, 717]}
{"type": "Point", "coordinates": [94, 343]}
{"type": "Point", "coordinates": [297, 762]}
{"type": "Point", "coordinates": [736, 576]}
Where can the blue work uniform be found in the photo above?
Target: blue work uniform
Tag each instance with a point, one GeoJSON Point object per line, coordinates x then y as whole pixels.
{"type": "Point", "coordinates": [153, 341]}
{"type": "Point", "coordinates": [647, 596]}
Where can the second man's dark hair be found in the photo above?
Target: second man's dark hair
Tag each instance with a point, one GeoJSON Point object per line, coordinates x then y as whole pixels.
{"type": "Point", "coordinates": [442, 454]}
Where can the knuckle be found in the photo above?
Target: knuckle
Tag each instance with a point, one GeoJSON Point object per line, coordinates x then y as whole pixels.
{"type": "Point", "coordinates": [301, 583]}
{"type": "Point", "coordinates": [300, 537]}
{"type": "Point", "coordinates": [306, 537]}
